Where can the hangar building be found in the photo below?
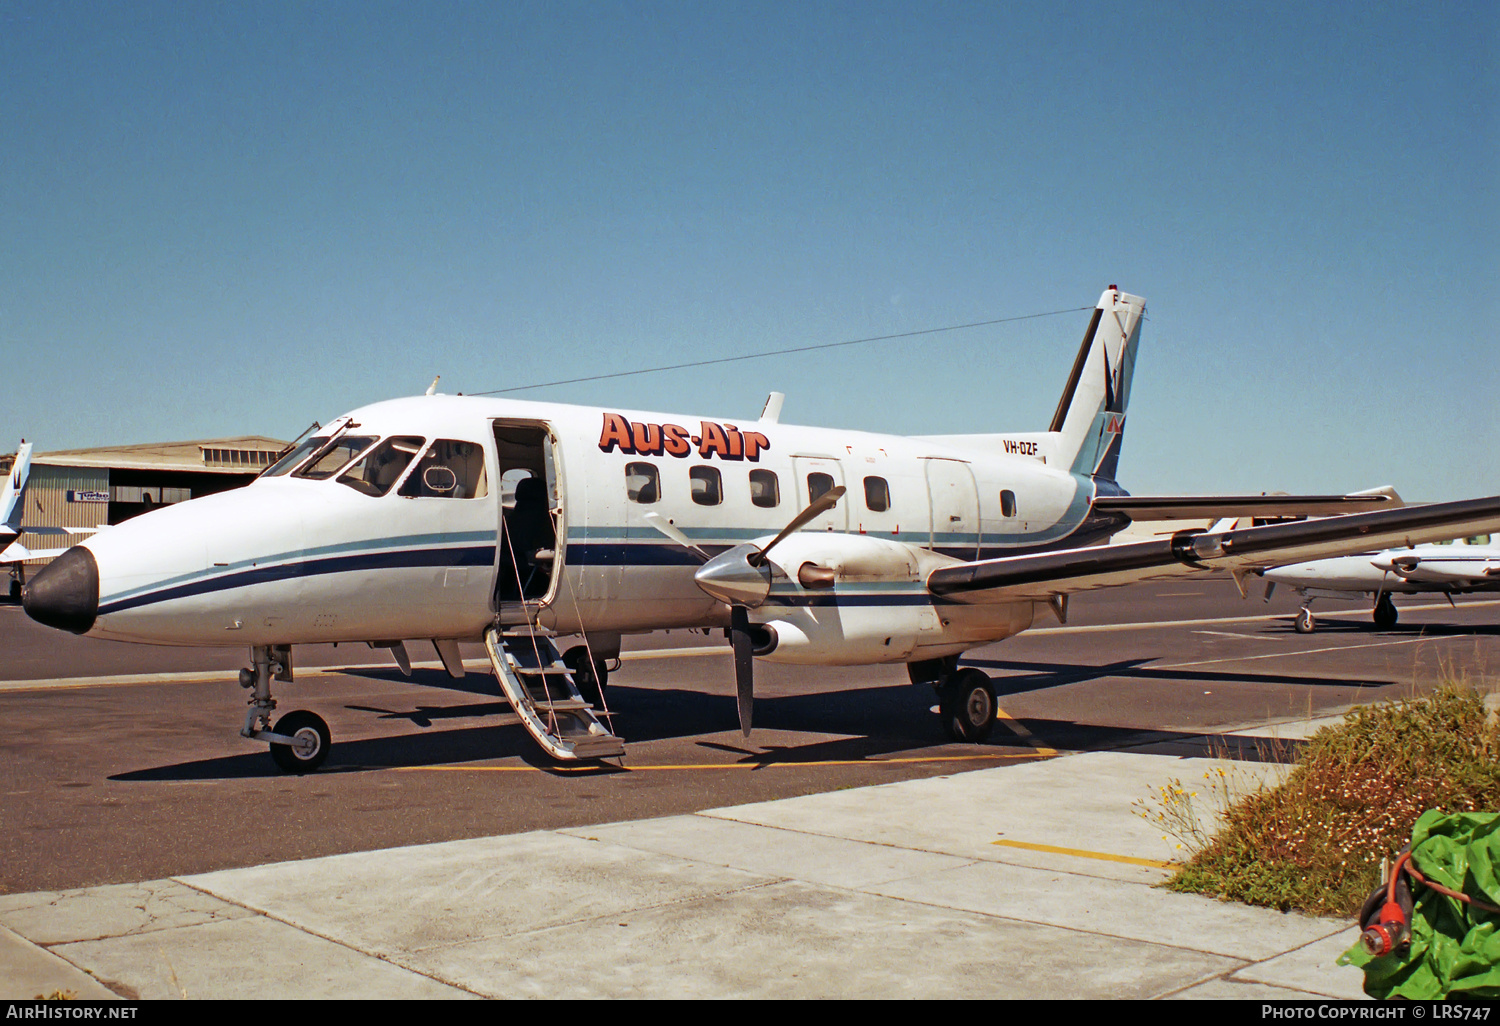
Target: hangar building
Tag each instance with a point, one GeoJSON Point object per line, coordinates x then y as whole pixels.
{"type": "Point", "coordinates": [94, 487]}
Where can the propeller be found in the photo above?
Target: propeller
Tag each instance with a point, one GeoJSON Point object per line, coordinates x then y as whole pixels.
{"type": "Point", "coordinates": [741, 578]}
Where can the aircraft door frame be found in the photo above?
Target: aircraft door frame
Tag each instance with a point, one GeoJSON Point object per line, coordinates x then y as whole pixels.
{"type": "Point", "coordinates": [953, 505]}
{"type": "Point", "coordinates": [836, 519]}
{"type": "Point", "coordinates": [552, 475]}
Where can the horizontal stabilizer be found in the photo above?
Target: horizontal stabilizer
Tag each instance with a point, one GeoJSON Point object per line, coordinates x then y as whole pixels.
{"type": "Point", "coordinates": [1216, 507]}
{"type": "Point", "coordinates": [1040, 576]}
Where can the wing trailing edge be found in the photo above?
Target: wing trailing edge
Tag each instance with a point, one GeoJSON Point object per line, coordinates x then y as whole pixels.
{"type": "Point", "coordinates": [1215, 507]}
{"type": "Point", "coordinates": [1042, 575]}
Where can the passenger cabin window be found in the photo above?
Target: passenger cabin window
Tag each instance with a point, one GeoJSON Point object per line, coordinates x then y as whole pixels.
{"type": "Point", "coordinates": [449, 469]}
{"type": "Point", "coordinates": [708, 487]}
{"type": "Point", "coordinates": [380, 468]}
{"type": "Point", "coordinates": [817, 485]}
{"type": "Point", "coordinates": [765, 489]}
{"type": "Point", "coordinates": [642, 482]}
{"type": "Point", "coordinates": [333, 459]}
{"type": "Point", "coordinates": [1007, 503]}
{"type": "Point", "coordinates": [877, 495]}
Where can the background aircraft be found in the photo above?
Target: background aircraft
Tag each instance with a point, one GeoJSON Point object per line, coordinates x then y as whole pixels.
{"type": "Point", "coordinates": [1452, 568]}
{"type": "Point", "coordinates": [812, 546]}
{"type": "Point", "coordinates": [13, 555]}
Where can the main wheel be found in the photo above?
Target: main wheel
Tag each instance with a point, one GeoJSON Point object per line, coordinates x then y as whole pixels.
{"type": "Point", "coordinates": [968, 705]}
{"type": "Point", "coordinates": [1385, 613]}
{"type": "Point", "coordinates": [311, 746]}
{"type": "Point", "coordinates": [1304, 623]}
{"type": "Point", "coordinates": [591, 676]}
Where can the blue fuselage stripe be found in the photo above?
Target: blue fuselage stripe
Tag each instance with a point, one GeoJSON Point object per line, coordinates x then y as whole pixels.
{"type": "Point", "coordinates": [478, 555]}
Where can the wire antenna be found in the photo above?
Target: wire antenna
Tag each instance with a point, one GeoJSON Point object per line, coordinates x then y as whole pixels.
{"type": "Point", "coordinates": [780, 352]}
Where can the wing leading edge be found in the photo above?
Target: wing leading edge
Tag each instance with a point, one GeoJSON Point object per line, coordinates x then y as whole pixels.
{"type": "Point", "coordinates": [1044, 575]}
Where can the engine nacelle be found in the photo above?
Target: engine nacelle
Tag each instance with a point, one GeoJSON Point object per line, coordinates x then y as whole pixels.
{"type": "Point", "coordinates": [849, 599]}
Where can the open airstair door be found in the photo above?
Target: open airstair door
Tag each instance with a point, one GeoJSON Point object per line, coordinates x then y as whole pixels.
{"type": "Point", "coordinates": [530, 553]}
{"type": "Point", "coordinates": [542, 691]}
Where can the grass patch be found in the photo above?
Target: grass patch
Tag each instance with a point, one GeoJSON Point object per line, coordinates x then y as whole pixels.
{"type": "Point", "coordinates": [1314, 843]}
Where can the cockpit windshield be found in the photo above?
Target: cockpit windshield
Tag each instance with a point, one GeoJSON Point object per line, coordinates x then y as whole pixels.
{"type": "Point", "coordinates": [336, 456]}
{"type": "Point", "coordinates": [288, 463]}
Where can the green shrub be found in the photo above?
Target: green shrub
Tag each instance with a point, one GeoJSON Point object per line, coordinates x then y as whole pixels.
{"type": "Point", "coordinates": [1315, 842]}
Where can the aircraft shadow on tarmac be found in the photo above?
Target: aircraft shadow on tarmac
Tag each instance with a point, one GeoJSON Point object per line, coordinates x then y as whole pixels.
{"type": "Point", "coordinates": [1038, 676]}
{"type": "Point", "coordinates": [1345, 625]}
{"type": "Point", "coordinates": [869, 724]}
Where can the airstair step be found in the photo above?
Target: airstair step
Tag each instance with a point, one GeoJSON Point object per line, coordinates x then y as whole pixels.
{"type": "Point", "coordinates": [605, 746]}
{"type": "Point", "coordinates": [560, 704]}
{"type": "Point", "coordinates": [545, 697]}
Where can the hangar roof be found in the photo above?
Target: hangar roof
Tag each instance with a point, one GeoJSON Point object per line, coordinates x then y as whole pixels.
{"type": "Point", "coordinates": [240, 455]}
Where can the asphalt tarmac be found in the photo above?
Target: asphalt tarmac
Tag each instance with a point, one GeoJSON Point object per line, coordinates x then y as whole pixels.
{"type": "Point", "coordinates": [123, 763]}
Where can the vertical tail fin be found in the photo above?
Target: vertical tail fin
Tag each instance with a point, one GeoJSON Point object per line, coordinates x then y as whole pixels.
{"type": "Point", "coordinates": [1089, 425]}
{"type": "Point", "coordinates": [12, 495]}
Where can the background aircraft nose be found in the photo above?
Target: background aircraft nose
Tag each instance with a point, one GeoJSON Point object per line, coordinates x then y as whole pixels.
{"type": "Point", "coordinates": [65, 594]}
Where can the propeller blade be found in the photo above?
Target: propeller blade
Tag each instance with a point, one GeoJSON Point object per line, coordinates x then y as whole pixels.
{"type": "Point", "coordinates": [744, 664]}
{"type": "Point", "coordinates": [671, 530]}
{"type": "Point", "coordinates": [822, 504]}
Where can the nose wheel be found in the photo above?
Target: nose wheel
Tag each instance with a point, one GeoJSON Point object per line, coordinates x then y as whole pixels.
{"type": "Point", "coordinates": [1385, 612]}
{"type": "Point", "coordinates": [309, 744]}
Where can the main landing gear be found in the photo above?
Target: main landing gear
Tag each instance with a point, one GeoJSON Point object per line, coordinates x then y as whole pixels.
{"type": "Point", "coordinates": [591, 675]}
{"type": "Point", "coordinates": [300, 741]}
{"type": "Point", "coordinates": [966, 698]}
{"type": "Point", "coordinates": [1385, 615]}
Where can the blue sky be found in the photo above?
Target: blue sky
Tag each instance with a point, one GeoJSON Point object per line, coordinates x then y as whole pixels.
{"type": "Point", "coordinates": [236, 218]}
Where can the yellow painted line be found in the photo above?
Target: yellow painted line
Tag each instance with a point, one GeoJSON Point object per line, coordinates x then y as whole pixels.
{"type": "Point", "coordinates": [1021, 732]}
{"type": "Point", "coordinates": [783, 764]}
{"type": "Point", "coordinates": [677, 653]}
{"type": "Point", "coordinates": [1051, 849]}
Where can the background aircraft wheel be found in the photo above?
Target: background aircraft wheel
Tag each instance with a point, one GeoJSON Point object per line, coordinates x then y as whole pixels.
{"type": "Point", "coordinates": [968, 705]}
{"type": "Point", "coordinates": [313, 741]}
{"type": "Point", "coordinates": [592, 677]}
{"type": "Point", "coordinates": [1385, 613]}
{"type": "Point", "coordinates": [1304, 623]}
{"type": "Point", "coordinates": [15, 591]}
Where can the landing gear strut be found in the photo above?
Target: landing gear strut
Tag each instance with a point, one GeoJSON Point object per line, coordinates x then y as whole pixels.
{"type": "Point", "coordinates": [300, 742]}
{"type": "Point", "coordinates": [591, 675]}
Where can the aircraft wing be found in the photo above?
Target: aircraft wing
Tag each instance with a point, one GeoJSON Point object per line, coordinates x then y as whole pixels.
{"type": "Point", "coordinates": [1043, 575]}
{"type": "Point", "coordinates": [1216, 507]}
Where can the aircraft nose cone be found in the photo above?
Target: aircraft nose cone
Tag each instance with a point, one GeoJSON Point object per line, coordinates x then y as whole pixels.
{"type": "Point", "coordinates": [65, 594]}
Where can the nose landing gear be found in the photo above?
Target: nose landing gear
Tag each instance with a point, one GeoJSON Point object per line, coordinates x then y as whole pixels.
{"type": "Point", "coordinates": [300, 742]}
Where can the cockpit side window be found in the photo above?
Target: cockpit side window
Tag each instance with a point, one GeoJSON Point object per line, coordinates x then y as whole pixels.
{"type": "Point", "coordinates": [337, 455]}
{"type": "Point", "coordinates": [380, 468]}
{"type": "Point", "coordinates": [289, 462]}
{"type": "Point", "coordinates": [449, 469]}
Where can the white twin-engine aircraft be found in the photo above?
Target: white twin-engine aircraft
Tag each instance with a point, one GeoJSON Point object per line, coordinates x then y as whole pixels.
{"type": "Point", "coordinates": [1448, 569]}
{"type": "Point", "coordinates": [458, 519]}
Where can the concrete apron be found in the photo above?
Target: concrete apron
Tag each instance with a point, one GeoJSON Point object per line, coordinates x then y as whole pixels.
{"type": "Point", "coordinates": [897, 890]}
